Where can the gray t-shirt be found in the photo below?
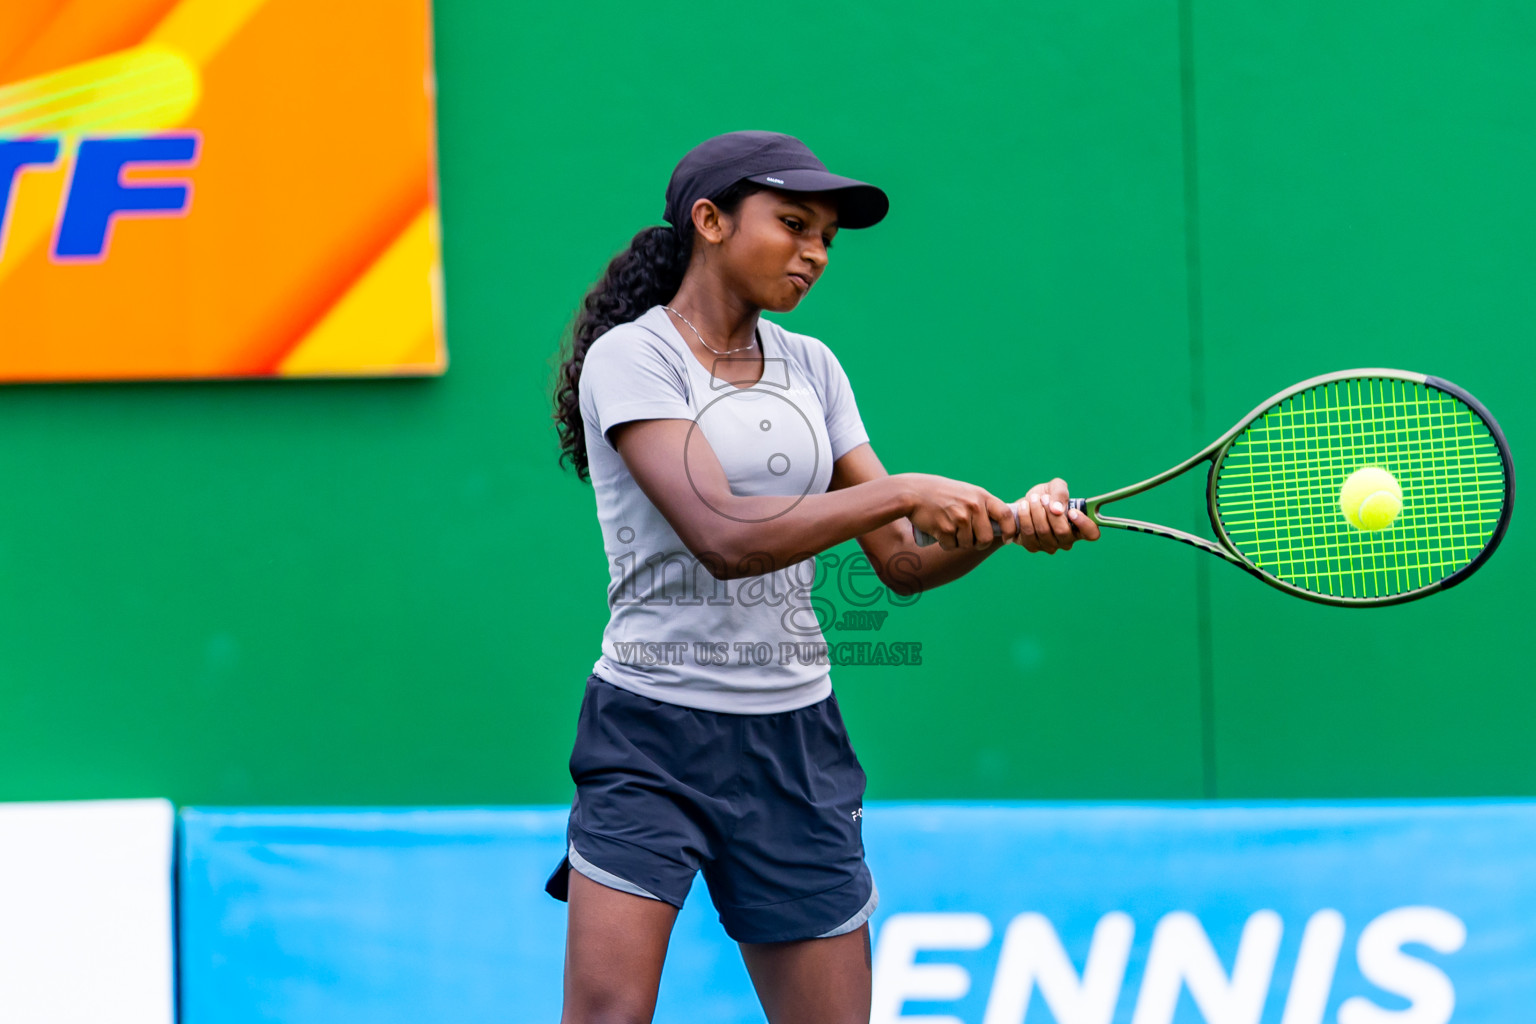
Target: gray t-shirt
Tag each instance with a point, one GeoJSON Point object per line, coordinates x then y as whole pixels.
{"type": "Point", "coordinates": [675, 633]}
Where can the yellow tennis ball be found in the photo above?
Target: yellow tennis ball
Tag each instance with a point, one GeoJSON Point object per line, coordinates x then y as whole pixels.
{"type": "Point", "coordinates": [1379, 510]}
{"type": "Point", "coordinates": [1371, 499]}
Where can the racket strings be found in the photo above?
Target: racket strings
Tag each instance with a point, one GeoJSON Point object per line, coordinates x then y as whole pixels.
{"type": "Point", "coordinates": [1277, 489]}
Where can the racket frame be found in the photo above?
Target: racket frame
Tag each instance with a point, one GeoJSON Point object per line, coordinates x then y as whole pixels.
{"type": "Point", "coordinates": [1217, 450]}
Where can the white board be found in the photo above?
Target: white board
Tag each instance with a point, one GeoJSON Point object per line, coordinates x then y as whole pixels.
{"type": "Point", "coordinates": [85, 912]}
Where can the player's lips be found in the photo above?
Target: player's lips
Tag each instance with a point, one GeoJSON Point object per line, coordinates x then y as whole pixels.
{"type": "Point", "coordinates": [802, 279]}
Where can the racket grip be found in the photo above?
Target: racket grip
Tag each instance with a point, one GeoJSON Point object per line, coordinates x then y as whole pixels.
{"type": "Point", "coordinates": [925, 539]}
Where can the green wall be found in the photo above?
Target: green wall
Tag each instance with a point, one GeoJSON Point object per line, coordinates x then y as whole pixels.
{"type": "Point", "coordinates": [1115, 228]}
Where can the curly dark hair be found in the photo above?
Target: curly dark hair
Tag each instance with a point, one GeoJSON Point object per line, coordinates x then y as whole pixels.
{"type": "Point", "coordinates": [646, 274]}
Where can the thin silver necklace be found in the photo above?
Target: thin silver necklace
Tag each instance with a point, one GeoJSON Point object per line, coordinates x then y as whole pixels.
{"type": "Point", "coordinates": [706, 344]}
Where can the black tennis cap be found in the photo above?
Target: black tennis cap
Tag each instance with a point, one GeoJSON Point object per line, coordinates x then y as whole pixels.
{"type": "Point", "coordinates": [779, 161]}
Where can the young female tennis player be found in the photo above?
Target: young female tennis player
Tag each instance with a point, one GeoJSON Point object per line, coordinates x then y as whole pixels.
{"type": "Point", "coordinates": [726, 452]}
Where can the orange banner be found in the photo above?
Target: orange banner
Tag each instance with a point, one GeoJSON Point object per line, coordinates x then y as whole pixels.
{"type": "Point", "coordinates": [218, 188]}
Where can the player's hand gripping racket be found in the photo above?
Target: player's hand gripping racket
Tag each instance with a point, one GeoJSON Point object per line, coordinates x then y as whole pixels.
{"type": "Point", "coordinates": [1362, 487]}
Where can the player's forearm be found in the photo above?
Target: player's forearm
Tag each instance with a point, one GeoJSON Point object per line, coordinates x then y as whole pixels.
{"type": "Point", "coordinates": [757, 534]}
{"type": "Point", "coordinates": [914, 569]}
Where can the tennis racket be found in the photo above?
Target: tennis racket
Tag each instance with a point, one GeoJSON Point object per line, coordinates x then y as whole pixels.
{"type": "Point", "coordinates": [1275, 480]}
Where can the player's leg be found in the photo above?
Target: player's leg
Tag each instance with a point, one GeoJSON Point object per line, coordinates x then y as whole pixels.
{"type": "Point", "coordinates": [792, 886]}
{"type": "Point", "coordinates": [615, 943]}
{"type": "Point", "coordinates": [633, 848]}
{"type": "Point", "coordinates": [813, 981]}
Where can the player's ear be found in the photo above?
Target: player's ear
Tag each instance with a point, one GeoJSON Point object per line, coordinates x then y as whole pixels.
{"type": "Point", "coordinates": [708, 222]}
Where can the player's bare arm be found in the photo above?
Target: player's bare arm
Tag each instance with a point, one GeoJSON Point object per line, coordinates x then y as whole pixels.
{"type": "Point", "coordinates": [736, 535]}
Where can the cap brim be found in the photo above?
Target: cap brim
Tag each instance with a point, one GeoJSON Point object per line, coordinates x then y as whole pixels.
{"type": "Point", "coordinates": [859, 204]}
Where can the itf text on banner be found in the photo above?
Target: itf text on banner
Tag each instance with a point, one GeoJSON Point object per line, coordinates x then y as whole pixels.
{"type": "Point", "coordinates": [218, 188]}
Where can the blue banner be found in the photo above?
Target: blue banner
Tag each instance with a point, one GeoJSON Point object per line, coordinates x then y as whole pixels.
{"type": "Point", "coordinates": [1408, 914]}
{"type": "Point", "coordinates": [1018, 914]}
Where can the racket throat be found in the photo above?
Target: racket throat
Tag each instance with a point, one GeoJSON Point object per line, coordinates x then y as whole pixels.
{"type": "Point", "coordinates": [1092, 508]}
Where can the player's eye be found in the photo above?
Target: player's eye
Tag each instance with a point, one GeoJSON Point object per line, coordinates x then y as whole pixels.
{"type": "Point", "coordinates": [797, 225]}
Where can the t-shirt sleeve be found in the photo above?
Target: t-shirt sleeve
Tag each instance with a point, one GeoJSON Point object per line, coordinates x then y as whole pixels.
{"type": "Point", "coordinates": [845, 427]}
{"type": "Point", "coordinates": [625, 376]}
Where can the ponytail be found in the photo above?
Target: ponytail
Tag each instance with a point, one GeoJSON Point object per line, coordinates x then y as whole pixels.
{"type": "Point", "coordinates": [646, 274]}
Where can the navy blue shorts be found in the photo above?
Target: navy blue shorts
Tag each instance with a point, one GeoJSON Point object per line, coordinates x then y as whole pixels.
{"type": "Point", "coordinates": [770, 806]}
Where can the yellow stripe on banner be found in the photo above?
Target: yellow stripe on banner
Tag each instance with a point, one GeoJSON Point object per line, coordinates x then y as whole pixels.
{"type": "Point", "coordinates": [137, 90]}
{"type": "Point", "coordinates": [144, 88]}
{"type": "Point", "coordinates": [380, 322]}
{"type": "Point", "coordinates": [200, 28]}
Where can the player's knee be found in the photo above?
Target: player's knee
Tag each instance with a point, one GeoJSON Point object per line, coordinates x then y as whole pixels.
{"type": "Point", "coordinates": [606, 1007]}
{"type": "Point", "coordinates": [608, 1015]}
